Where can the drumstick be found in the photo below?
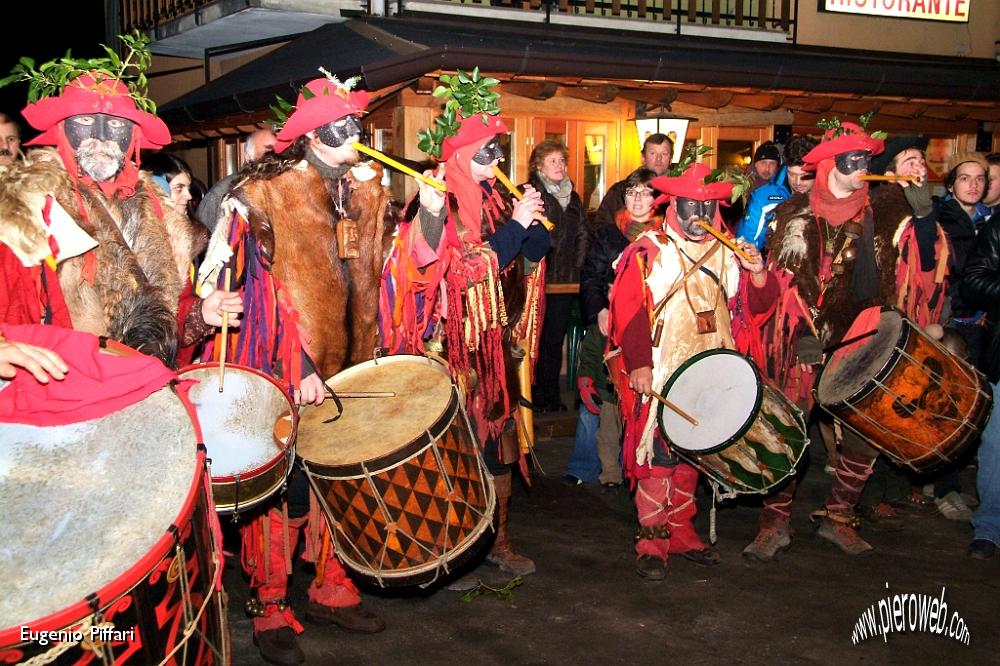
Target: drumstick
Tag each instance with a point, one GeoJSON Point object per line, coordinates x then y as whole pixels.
{"type": "Point", "coordinates": [891, 179]}
{"type": "Point", "coordinates": [385, 159]}
{"type": "Point", "coordinates": [225, 333]}
{"type": "Point", "coordinates": [687, 417]}
{"type": "Point", "coordinates": [724, 240]}
{"type": "Point", "coordinates": [680, 412]}
{"type": "Point", "coordinates": [367, 394]}
{"type": "Point", "coordinates": [518, 194]}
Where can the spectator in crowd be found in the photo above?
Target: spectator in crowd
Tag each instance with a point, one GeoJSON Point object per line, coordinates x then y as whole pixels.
{"type": "Point", "coordinates": [656, 156]}
{"type": "Point", "coordinates": [10, 140]}
{"type": "Point", "coordinates": [257, 143]}
{"type": "Point", "coordinates": [173, 175]}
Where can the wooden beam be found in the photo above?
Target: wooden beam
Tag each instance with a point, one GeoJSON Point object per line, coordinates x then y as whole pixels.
{"type": "Point", "coordinates": [761, 102]}
{"type": "Point", "coordinates": [538, 90]}
{"type": "Point", "coordinates": [855, 107]}
{"type": "Point", "coordinates": [958, 112]}
{"type": "Point", "coordinates": [806, 122]}
{"type": "Point", "coordinates": [902, 110]}
{"type": "Point", "coordinates": [663, 96]}
{"type": "Point", "coordinates": [712, 99]}
{"type": "Point", "coordinates": [599, 94]}
{"type": "Point", "coordinates": [809, 104]}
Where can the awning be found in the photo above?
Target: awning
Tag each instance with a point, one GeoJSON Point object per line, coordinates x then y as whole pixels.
{"type": "Point", "coordinates": [387, 52]}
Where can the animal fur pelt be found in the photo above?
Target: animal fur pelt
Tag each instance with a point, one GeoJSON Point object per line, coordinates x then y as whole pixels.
{"type": "Point", "coordinates": [795, 246]}
{"type": "Point", "coordinates": [140, 264]}
{"type": "Point", "coordinates": [294, 215]}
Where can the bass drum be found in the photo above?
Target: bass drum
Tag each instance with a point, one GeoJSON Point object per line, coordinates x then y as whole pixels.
{"type": "Point", "coordinates": [400, 476]}
{"type": "Point", "coordinates": [109, 536]}
{"type": "Point", "coordinates": [749, 437]}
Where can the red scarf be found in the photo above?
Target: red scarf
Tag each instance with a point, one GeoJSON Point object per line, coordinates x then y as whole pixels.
{"type": "Point", "coordinates": [824, 205]}
{"type": "Point", "coordinates": [630, 228]}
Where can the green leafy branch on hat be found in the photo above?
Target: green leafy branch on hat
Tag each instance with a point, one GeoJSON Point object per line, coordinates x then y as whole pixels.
{"type": "Point", "coordinates": [465, 94]}
{"type": "Point", "coordinates": [732, 174]}
{"type": "Point", "coordinates": [833, 124]}
{"type": "Point", "coordinates": [283, 109]}
{"type": "Point", "coordinates": [52, 77]}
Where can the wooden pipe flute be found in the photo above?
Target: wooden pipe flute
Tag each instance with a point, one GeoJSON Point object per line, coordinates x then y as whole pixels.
{"type": "Point", "coordinates": [402, 168]}
{"type": "Point", "coordinates": [724, 240]}
{"type": "Point", "coordinates": [502, 177]}
{"type": "Point", "coordinates": [891, 179]}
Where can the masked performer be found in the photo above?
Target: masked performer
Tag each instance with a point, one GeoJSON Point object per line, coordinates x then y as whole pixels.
{"type": "Point", "coordinates": [834, 256]}
{"type": "Point", "coordinates": [304, 236]}
{"type": "Point", "coordinates": [456, 281]}
{"type": "Point", "coordinates": [84, 241]}
{"type": "Point", "coordinates": [660, 267]}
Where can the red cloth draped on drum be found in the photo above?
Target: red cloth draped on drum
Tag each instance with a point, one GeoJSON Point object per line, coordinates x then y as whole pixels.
{"type": "Point", "coordinates": [97, 384]}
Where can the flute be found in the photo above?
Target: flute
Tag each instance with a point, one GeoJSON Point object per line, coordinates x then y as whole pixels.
{"type": "Point", "coordinates": [891, 179]}
{"type": "Point", "coordinates": [724, 240]}
{"type": "Point", "coordinates": [385, 159]}
{"type": "Point", "coordinates": [502, 177]}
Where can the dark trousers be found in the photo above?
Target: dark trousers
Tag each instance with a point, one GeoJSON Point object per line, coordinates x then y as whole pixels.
{"type": "Point", "coordinates": [545, 392]}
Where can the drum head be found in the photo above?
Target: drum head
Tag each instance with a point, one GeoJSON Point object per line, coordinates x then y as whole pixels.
{"type": "Point", "coordinates": [84, 502]}
{"type": "Point", "coordinates": [851, 369]}
{"type": "Point", "coordinates": [373, 427]}
{"type": "Point", "coordinates": [237, 424]}
{"type": "Point", "coordinates": [721, 390]}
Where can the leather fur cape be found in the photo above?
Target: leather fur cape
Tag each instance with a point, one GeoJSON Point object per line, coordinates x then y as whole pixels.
{"type": "Point", "coordinates": [293, 214]}
{"type": "Point", "coordinates": [129, 286]}
{"type": "Point", "coordinates": [795, 246]}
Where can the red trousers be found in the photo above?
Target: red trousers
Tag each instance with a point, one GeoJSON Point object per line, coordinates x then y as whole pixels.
{"type": "Point", "coordinates": [667, 498]}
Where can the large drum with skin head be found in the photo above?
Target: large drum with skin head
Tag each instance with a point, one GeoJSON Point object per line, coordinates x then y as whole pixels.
{"type": "Point", "coordinates": [399, 473]}
{"type": "Point", "coordinates": [749, 437]}
{"type": "Point", "coordinates": [904, 392]}
{"type": "Point", "coordinates": [110, 547]}
{"type": "Point", "coordinates": [249, 429]}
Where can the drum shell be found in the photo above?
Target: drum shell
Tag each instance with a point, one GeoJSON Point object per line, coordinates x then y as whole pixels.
{"type": "Point", "coordinates": [413, 545]}
{"type": "Point", "coordinates": [932, 421]}
{"type": "Point", "coordinates": [149, 598]}
{"type": "Point", "coordinates": [762, 454]}
{"type": "Point", "coordinates": [234, 493]}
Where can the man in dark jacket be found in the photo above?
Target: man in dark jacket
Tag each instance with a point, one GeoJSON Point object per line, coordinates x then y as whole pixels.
{"type": "Point", "coordinates": [980, 288]}
{"type": "Point", "coordinates": [657, 150]}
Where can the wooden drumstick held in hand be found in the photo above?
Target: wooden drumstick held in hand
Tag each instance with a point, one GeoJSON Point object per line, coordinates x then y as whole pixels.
{"type": "Point", "coordinates": [225, 333]}
{"type": "Point", "coordinates": [518, 194]}
{"type": "Point", "coordinates": [671, 406]}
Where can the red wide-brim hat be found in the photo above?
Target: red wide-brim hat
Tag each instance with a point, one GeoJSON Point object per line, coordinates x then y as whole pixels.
{"type": "Point", "coordinates": [473, 129]}
{"type": "Point", "coordinates": [853, 138]}
{"type": "Point", "coordinates": [89, 94]}
{"type": "Point", "coordinates": [328, 103]}
{"type": "Point", "coordinates": [691, 185]}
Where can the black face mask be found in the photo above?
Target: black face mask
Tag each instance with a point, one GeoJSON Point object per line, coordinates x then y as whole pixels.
{"type": "Point", "coordinates": [337, 133]}
{"type": "Point", "coordinates": [489, 152]}
{"type": "Point", "coordinates": [99, 126]}
{"type": "Point", "coordinates": [853, 160]}
{"type": "Point", "coordinates": [691, 211]}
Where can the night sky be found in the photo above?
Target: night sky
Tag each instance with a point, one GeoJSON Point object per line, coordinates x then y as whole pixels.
{"type": "Point", "coordinates": [43, 31]}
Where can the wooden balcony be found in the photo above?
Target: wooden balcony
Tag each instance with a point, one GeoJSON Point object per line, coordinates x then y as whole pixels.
{"type": "Point", "coordinates": [728, 18]}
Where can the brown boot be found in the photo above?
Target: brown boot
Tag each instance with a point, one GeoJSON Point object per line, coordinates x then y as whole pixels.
{"type": "Point", "coordinates": [502, 554]}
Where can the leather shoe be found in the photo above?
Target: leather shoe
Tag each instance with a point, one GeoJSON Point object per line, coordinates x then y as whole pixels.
{"type": "Point", "coordinates": [981, 549]}
{"type": "Point", "coordinates": [279, 646]}
{"type": "Point", "coordinates": [651, 568]}
{"type": "Point", "coordinates": [706, 557]}
{"type": "Point", "coordinates": [351, 618]}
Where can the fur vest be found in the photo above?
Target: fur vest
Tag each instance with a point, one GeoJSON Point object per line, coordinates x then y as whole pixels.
{"type": "Point", "coordinates": [795, 246]}
{"type": "Point", "coordinates": [294, 216]}
{"type": "Point", "coordinates": [129, 286]}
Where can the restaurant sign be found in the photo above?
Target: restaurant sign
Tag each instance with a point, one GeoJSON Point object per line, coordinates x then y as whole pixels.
{"type": "Point", "coordinates": [929, 10]}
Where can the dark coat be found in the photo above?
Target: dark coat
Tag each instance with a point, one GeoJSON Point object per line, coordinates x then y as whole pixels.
{"type": "Point", "coordinates": [607, 242]}
{"type": "Point", "coordinates": [962, 234]}
{"type": "Point", "coordinates": [612, 202]}
{"type": "Point", "coordinates": [980, 289]}
{"type": "Point", "coordinates": [568, 240]}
